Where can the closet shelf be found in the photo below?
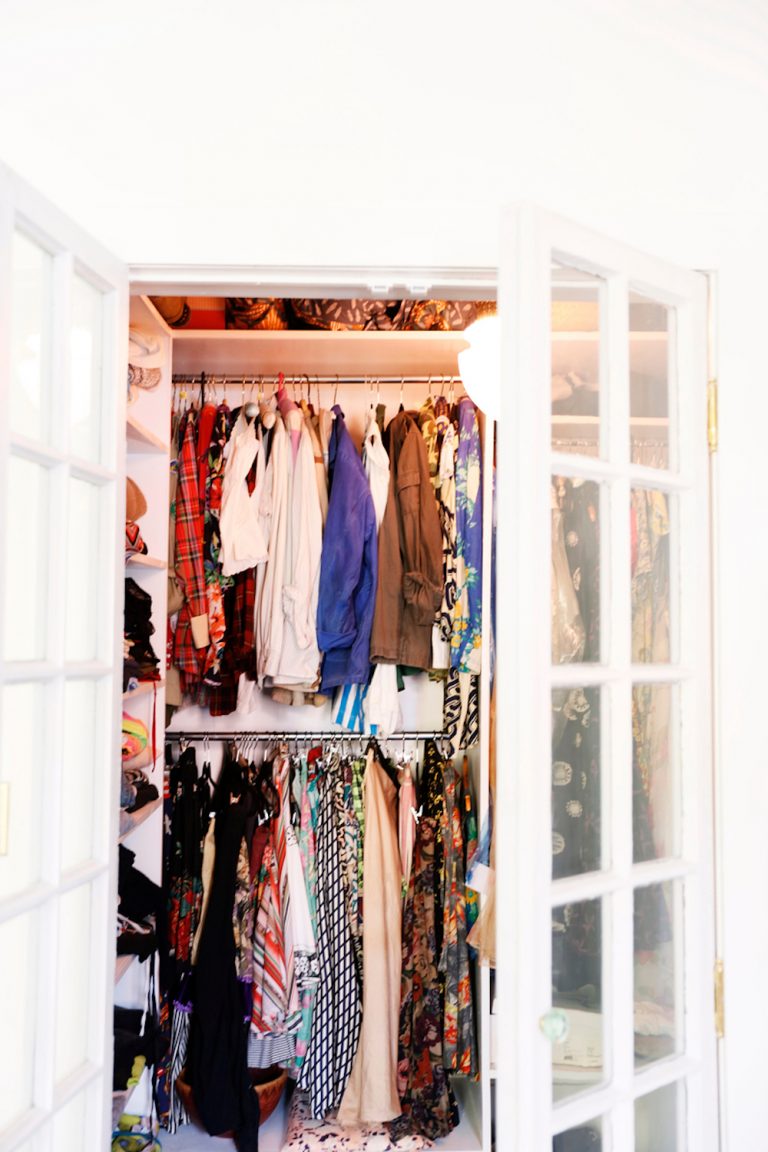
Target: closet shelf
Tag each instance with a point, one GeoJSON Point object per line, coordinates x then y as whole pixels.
{"type": "Point", "coordinates": [145, 686]}
{"type": "Point", "coordinates": [138, 818]}
{"type": "Point", "coordinates": [317, 353]}
{"type": "Point", "coordinates": [141, 561]}
{"type": "Point", "coordinates": [141, 439]}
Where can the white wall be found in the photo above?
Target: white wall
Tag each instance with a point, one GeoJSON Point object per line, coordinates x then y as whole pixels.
{"type": "Point", "coordinates": [347, 133]}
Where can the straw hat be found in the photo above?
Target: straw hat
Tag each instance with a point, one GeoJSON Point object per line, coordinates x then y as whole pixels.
{"type": "Point", "coordinates": [135, 502]}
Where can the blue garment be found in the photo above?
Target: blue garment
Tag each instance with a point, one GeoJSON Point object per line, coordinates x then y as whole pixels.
{"type": "Point", "coordinates": [348, 568]}
{"type": "Point", "coordinates": [466, 642]}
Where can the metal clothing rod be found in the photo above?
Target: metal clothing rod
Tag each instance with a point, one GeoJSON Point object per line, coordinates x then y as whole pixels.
{"type": "Point", "coordinates": [224, 379]}
{"type": "Point", "coordinates": [312, 735]}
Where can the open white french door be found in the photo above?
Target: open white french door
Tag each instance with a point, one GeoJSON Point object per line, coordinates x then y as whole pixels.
{"type": "Point", "coordinates": [604, 846]}
{"type": "Point", "coordinates": [63, 348]}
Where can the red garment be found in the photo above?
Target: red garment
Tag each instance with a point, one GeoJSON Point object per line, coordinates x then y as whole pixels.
{"type": "Point", "coordinates": [189, 558]}
{"type": "Point", "coordinates": [205, 422]}
{"type": "Point", "coordinates": [239, 654]}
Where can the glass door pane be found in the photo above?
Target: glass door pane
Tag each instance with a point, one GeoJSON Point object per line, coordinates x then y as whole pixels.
{"type": "Point", "coordinates": [605, 680]}
{"type": "Point", "coordinates": [26, 560]}
{"type": "Point", "coordinates": [577, 981]}
{"type": "Point", "coordinates": [576, 360]}
{"type": "Point", "coordinates": [86, 352]}
{"type": "Point", "coordinates": [31, 332]}
{"type": "Point", "coordinates": [651, 380]}
{"type": "Point", "coordinates": [660, 1120]}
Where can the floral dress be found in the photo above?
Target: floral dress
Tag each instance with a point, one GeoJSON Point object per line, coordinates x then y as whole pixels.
{"type": "Point", "coordinates": [428, 1103]}
{"type": "Point", "coordinates": [459, 1045]}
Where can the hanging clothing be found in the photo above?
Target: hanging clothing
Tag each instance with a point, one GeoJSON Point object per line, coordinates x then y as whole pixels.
{"type": "Point", "coordinates": [407, 814]}
{"type": "Point", "coordinates": [461, 710]}
{"type": "Point", "coordinates": [466, 641]}
{"type": "Point", "coordinates": [349, 707]}
{"type": "Point", "coordinates": [321, 461]}
{"type": "Point", "coordinates": [427, 1101]}
{"type": "Point", "coordinates": [459, 1041]}
{"type": "Point", "coordinates": [310, 800]}
{"type": "Point", "coordinates": [371, 1093]}
{"type": "Point", "coordinates": [289, 610]}
{"type": "Point", "coordinates": [217, 1056]}
{"type": "Point", "coordinates": [192, 625]}
{"type": "Point", "coordinates": [442, 629]}
{"type": "Point", "coordinates": [215, 580]}
{"type": "Point", "coordinates": [409, 586]}
{"type": "Point", "coordinates": [428, 427]}
{"type": "Point", "coordinates": [243, 544]}
{"type": "Point", "coordinates": [337, 1009]}
{"type": "Point", "coordinates": [469, 834]}
{"type": "Point", "coordinates": [376, 466]}
{"type": "Point", "coordinates": [354, 831]}
{"type": "Point", "coordinates": [347, 594]}
{"type": "Point", "coordinates": [381, 704]}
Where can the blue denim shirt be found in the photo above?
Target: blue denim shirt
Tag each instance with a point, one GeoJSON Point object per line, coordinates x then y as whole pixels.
{"type": "Point", "coordinates": [348, 567]}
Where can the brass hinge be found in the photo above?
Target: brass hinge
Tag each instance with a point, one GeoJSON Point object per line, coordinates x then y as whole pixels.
{"type": "Point", "coordinates": [712, 422]}
{"type": "Point", "coordinates": [719, 999]}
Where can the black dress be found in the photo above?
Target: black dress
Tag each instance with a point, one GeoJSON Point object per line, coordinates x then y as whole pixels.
{"type": "Point", "coordinates": [218, 1043]}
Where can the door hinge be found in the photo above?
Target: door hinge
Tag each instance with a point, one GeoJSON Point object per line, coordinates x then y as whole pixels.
{"type": "Point", "coordinates": [719, 999]}
{"type": "Point", "coordinates": [712, 421]}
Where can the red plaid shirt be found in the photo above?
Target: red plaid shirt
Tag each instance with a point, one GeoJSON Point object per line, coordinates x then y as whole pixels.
{"type": "Point", "coordinates": [189, 556]}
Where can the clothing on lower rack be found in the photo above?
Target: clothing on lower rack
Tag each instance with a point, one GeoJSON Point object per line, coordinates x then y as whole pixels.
{"type": "Point", "coordinates": [217, 1055]}
{"type": "Point", "coordinates": [308, 956]}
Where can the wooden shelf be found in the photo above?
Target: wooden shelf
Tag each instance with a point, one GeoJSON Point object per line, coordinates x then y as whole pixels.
{"type": "Point", "coordinates": [140, 561]}
{"type": "Point", "coordinates": [317, 353]}
{"type": "Point", "coordinates": [138, 818]}
{"type": "Point", "coordinates": [141, 439]}
{"type": "Point", "coordinates": [145, 687]}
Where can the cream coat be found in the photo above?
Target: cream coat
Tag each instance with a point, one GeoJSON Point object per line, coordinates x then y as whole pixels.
{"type": "Point", "coordinates": [286, 593]}
{"type": "Point", "coordinates": [243, 543]}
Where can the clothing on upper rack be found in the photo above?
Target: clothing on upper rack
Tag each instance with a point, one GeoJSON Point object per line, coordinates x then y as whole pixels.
{"type": "Point", "coordinates": [409, 589]}
{"type": "Point", "coordinates": [293, 590]}
{"type": "Point", "coordinates": [349, 566]}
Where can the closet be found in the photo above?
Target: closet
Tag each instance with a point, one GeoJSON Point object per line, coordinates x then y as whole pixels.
{"type": "Point", "coordinates": [358, 371]}
{"type": "Point", "coordinates": [68, 443]}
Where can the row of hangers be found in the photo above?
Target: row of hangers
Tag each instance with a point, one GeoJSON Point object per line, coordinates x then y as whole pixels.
{"type": "Point", "coordinates": [192, 393]}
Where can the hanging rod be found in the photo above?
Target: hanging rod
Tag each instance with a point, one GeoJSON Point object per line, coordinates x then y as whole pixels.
{"type": "Point", "coordinates": [327, 734]}
{"type": "Point", "coordinates": [224, 379]}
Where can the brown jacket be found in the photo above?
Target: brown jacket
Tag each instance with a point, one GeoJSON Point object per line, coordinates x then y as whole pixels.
{"type": "Point", "coordinates": [410, 588]}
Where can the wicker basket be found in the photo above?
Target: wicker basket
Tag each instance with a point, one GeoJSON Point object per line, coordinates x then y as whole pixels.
{"type": "Point", "coordinates": [268, 1092]}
